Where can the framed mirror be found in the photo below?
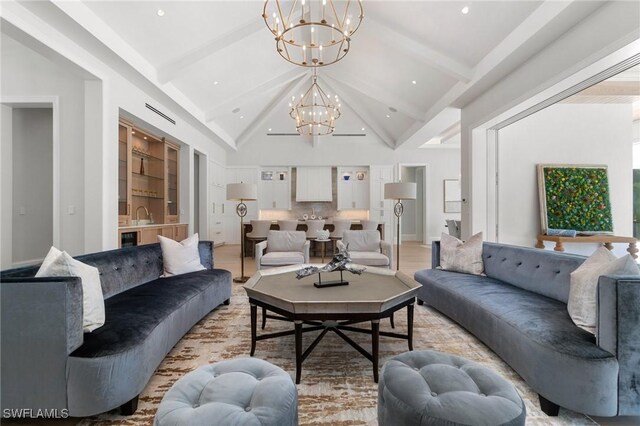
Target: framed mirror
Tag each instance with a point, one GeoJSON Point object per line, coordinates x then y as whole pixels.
{"type": "Point", "coordinates": [452, 196]}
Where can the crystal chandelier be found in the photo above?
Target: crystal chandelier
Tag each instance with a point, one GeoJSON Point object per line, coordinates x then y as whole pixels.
{"type": "Point", "coordinates": [315, 113]}
{"type": "Point", "coordinates": [313, 33]}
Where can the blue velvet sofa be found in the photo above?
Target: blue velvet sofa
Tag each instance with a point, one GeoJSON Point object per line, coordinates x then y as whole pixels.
{"type": "Point", "coordinates": [519, 310]}
{"type": "Point", "coordinates": [47, 361]}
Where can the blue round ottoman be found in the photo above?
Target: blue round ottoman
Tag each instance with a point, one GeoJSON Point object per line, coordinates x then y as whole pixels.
{"type": "Point", "coordinates": [434, 388]}
{"type": "Point", "coordinates": [242, 391]}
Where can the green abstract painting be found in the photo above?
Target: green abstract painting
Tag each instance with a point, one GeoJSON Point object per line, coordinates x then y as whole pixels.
{"type": "Point", "coordinates": [575, 197]}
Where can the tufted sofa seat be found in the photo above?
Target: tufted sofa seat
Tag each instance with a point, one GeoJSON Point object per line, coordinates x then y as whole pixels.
{"type": "Point", "coordinates": [241, 391]}
{"type": "Point", "coordinates": [519, 310]}
{"type": "Point", "coordinates": [90, 373]}
{"type": "Point", "coordinates": [434, 388]}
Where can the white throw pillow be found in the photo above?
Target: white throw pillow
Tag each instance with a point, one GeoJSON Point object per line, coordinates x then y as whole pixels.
{"type": "Point", "coordinates": [461, 257]}
{"type": "Point", "coordinates": [583, 290]}
{"type": "Point", "coordinates": [49, 258]}
{"type": "Point", "coordinates": [180, 257]}
{"type": "Point", "coordinates": [63, 265]}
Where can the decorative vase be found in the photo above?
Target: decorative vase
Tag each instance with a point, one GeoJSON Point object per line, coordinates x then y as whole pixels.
{"type": "Point", "coordinates": [322, 234]}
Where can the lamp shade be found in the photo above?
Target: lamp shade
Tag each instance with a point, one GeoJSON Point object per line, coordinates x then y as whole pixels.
{"type": "Point", "coordinates": [400, 191]}
{"type": "Point", "coordinates": [242, 191]}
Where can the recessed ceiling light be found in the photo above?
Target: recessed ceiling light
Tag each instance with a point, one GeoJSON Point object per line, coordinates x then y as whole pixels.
{"type": "Point", "coordinates": [215, 83]}
{"type": "Point", "coordinates": [269, 128]}
{"type": "Point", "coordinates": [242, 116]}
{"type": "Point", "coordinates": [414, 82]}
{"type": "Point", "coordinates": [362, 129]}
{"type": "Point", "coordinates": [160, 12]}
{"type": "Point", "coordinates": [388, 116]}
{"type": "Point", "coordinates": [465, 10]}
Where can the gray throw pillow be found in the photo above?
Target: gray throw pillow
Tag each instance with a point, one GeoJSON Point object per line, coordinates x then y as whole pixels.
{"type": "Point", "coordinates": [461, 257]}
{"type": "Point", "coordinates": [583, 290]}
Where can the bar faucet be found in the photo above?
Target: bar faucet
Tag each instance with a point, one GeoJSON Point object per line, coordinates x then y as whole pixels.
{"type": "Point", "coordinates": [137, 213]}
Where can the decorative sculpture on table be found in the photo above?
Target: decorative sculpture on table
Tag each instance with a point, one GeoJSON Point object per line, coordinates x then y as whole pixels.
{"type": "Point", "coordinates": [340, 262]}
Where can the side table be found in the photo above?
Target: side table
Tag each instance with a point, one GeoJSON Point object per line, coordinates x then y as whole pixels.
{"type": "Point", "coordinates": [324, 245]}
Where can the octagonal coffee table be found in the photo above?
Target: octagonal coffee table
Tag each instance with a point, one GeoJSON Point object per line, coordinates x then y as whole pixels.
{"type": "Point", "coordinates": [369, 297]}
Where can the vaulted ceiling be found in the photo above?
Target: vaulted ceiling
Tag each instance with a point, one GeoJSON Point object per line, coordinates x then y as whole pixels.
{"type": "Point", "coordinates": [409, 63]}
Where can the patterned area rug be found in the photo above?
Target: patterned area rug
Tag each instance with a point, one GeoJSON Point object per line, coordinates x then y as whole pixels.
{"type": "Point", "coordinates": [337, 386]}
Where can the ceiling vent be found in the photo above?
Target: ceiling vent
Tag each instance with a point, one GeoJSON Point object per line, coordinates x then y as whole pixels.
{"type": "Point", "coordinates": [161, 114]}
{"type": "Point", "coordinates": [283, 134]}
{"type": "Point", "coordinates": [348, 134]}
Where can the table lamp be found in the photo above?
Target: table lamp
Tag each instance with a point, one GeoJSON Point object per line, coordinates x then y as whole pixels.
{"type": "Point", "coordinates": [399, 191]}
{"type": "Point", "coordinates": [241, 192]}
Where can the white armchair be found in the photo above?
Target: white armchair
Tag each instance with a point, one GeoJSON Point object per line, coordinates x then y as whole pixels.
{"type": "Point", "coordinates": [282, 248]}
{"type": "Point", "coordinates": [366, 248]}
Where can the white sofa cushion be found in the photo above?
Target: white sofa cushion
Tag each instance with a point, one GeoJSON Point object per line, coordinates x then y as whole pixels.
{"type": "Point", "coordinates": [362, 240]}
{"type": "Point", "coordinates": [180, 257]}
{"type": "Point", "coordinates": [281, 258]}
{"type": "Point", "coordinates": [369, 258]}
{"type": "Point", "coordinates": [286, 241]}
{"type": "Point", "coordinates": [583, 290]}
{"type": "Point", "coordinates": [60, 264]}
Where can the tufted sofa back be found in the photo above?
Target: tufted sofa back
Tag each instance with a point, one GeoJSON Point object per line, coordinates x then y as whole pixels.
{"type": "Point", "coordinates": [124, 268]}
{"type": "Point", "coordinates": [541, 271]}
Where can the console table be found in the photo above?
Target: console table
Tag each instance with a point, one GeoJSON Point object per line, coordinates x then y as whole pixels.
{"type": "Point", "coordinates": [607, 240]}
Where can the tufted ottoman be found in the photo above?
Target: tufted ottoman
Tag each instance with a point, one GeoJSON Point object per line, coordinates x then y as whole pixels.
{"type": "Point", "coordinates": [241, 391]}
{"type": "Point", "coordinates": [434, 388]}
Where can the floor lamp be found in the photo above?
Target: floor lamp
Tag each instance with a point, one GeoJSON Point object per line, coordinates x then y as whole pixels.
{"type": "Point", "coordinates": [241, 192]}
{"type": "Point", "coordinates": [399, 191]}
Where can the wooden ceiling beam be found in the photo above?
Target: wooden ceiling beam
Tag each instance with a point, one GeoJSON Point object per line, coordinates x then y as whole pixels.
{"type": "Point", "coordinates": [252, 92]}
{"type": "Point", "coordinates": [358, 109]}
{"type": "Point", "coordinates": [172, 69]}
{"type": "Point", "coordinates": [380, 94]}
{"type": "Point", "coordinates": [419, 50]}
{"type": "Point", "coordinates": [271, 108]}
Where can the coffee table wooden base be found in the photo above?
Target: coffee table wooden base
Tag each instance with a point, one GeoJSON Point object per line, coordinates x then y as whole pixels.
{"type": "Point", "coordinates": [336, 323]}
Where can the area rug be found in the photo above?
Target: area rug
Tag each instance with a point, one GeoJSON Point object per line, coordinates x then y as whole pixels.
{"type": "Point", "coordinates": [337, 386]}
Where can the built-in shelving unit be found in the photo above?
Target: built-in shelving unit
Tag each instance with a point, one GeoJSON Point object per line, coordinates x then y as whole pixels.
{"type": "Point", "coordinates": [148, 182]}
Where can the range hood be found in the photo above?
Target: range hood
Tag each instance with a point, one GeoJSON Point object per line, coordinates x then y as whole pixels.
{"type": "Point", "coordinates": [313, 184]}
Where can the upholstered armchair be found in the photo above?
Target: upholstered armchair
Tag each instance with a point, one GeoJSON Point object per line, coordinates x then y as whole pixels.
{"type": "Point", "coordinates": [282, 248]}
{"type": "Point", "coordinates": [366, 248]}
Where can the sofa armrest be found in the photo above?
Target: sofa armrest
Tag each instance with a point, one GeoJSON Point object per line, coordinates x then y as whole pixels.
{"type": "Point", "coordinates": [305, 251]}
{"type": "Point", "coordinates": [205, 249]}
{"type": "Point", "coordinates": [618, 332]}
{"type": "Point", "coordinates": [435, 254]}
{"type": "Point", "coordinates": [387, 250]}
{"type": "Point", "coordinates": [41, 326]}
{"type": "Point", "coordinates": [260, 249]}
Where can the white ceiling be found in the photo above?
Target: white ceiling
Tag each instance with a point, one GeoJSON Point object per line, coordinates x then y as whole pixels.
{"type": "Point", "coordinates": [446, 52]}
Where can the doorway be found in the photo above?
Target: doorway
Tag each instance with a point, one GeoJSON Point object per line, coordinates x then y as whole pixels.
{"type": "Point", "coordinates": [28, 182]}
{"type": "Point", "coordinates": [414, 222]}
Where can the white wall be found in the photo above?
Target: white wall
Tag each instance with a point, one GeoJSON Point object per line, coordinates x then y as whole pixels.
{"type": "Point", "coordinates": [563, 134]}
{"type": "Point", "coordinates": [28, 74]}
{"type": "Point", "coordinates": [609, 28]}
{"type": "Point", "coordinates": [32, 190]}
